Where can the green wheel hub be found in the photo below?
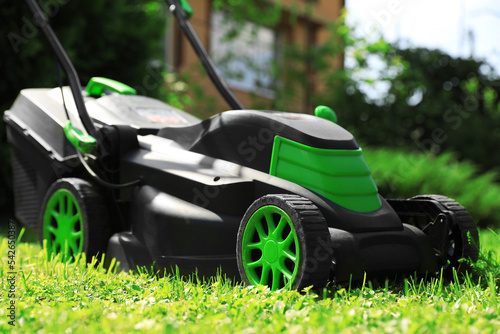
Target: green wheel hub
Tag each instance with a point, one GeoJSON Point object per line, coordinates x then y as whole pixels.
{"type": "Point", "coordinates": [270, 248]}
{"type": "Point", "coordinates": [63, 224]}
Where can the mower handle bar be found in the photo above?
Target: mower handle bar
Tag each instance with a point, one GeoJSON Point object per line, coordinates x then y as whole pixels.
{"type": "Point", "coordinates": [177, 9]}
{"type": "Point", "coordinates": [42, 22]}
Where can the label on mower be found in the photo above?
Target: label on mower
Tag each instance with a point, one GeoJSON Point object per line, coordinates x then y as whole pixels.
{"type": "Point", "coordinates": [160, 115]}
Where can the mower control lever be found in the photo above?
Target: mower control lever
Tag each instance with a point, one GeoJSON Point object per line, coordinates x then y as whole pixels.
{"type": "Point", "coordinates": [187, 8]}
{"type": "Point", "coordinates": [97, 86]}
{"type": "Point", "coordinates": [86, 144]}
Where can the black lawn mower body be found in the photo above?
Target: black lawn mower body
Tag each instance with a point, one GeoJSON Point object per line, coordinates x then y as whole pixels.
{"type": "Point", "coordinates": [196, 184]}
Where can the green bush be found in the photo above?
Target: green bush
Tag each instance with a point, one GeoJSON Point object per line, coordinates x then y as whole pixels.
{"type": "Point", "coordinates": [437, 103]}
{"type": "Point", "coordinates": [401, 175]}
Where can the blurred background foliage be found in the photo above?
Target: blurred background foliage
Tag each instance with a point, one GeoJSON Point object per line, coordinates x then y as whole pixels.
{"type": "Point", "coordinates": [428, 122]}
{"type": "Point", "coordinates": [399, 174]}
{"type": "Point", "coordinates": [415, 99]}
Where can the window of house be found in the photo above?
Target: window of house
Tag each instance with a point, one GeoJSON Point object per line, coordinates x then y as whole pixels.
{"type": "Point", "coordinates": [246, 61]}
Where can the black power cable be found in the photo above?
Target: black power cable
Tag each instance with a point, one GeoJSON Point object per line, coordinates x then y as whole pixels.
{"type": "Point", "coordinates": [101, 181]}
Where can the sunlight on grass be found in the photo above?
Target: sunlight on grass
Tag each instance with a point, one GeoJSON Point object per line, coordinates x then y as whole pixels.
{"type": "Point", "coordinates": [56, 297]}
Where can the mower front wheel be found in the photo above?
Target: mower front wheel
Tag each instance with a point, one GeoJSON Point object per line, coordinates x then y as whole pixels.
{"type": "Point", "coordinates": [283, 240]}
{"type": "Point", "coordinates": [73, 219]}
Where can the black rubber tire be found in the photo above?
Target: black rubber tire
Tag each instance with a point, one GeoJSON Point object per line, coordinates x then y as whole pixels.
{"type": "Point", "coordinates": [463, 237]}
{"type": "Point", "coordinates": [315, 264]}
{"type": "Point", "coordinates": [96, 229]}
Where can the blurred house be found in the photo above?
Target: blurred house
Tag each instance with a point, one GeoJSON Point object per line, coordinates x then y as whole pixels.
{"type": "Point", "coordinates": [257, 45]}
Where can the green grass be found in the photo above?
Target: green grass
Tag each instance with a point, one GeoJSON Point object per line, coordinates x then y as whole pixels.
{"type": "Point", "coordinates": [55, 297]}
{"type": "Point", "coordinates": [490, 243]}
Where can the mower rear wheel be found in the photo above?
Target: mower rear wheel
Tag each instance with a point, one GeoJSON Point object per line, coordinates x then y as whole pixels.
{"type": "Point", "coordinates": [283, 240]}
{"type": "Point", "coordinates": [462, 241]}
{"type": "Point", "coordinates": [73, 219]}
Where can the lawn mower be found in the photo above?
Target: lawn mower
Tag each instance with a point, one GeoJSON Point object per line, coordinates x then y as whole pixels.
{"type": "Point", "coordinates": [272, 198]}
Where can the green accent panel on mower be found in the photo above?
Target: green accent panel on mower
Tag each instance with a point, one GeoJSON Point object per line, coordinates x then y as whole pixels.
{"type": "Point", "coordinates": [270, 248]}
{"type": "Point", "coordinates": [63, 224]}
{"type": "Point", "coordinates": [98, 85]}
{"type": "Point", "coordinates": [83, 143]}
{"type": "Point", "coordinates": [342, 176]}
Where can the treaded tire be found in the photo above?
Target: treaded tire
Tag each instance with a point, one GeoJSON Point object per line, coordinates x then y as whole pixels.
{"type": "Point", "coordinates": [463, 237]}
{"type": "Point", "coordinates": [310, 245]}
{"type": "Point", "coordinates": [88, 215]}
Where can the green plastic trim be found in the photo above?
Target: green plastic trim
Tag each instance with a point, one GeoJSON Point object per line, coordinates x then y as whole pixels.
{"type": "Point", "coordinates": [98, 85]}
{"type": "Point", "coordinates": [63, 224]}
{"type": "Point", "coordinates": [83, 143]}
{"type": "Point", "coordinates": [342, 176]}
{"type": "Point", "coordinates": [326, 113]}
{"type": "Point", "coordinates": [187, 8]}
{"type": "Point", "coordinates": [278, 258]}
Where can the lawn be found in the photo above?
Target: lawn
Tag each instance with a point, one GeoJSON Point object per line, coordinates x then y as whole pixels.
{"type": "Point", "coordinates": [55, 297]}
